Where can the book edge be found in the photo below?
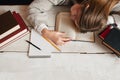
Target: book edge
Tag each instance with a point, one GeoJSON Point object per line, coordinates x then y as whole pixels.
{"type": "Point", "coordinates": [110, 47]}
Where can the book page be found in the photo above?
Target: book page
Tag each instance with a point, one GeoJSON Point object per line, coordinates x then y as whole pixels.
{"type": "Point", "coordinates": [89, 36]}
{"type": "Point", "coordinates": [65, 24]}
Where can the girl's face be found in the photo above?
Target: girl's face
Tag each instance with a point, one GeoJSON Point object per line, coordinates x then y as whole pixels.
{"type": "Point", "coordinates": [76, 13]}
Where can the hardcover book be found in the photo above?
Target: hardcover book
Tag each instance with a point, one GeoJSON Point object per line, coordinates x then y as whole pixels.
{"type": "Point", "coordinates": [112, 40]}
{"type": "Point", "coordinates": [22, 31]}
{"type": "Point", "coordinates": [65, 24]}
{"type": "Point", "coordinates": [8, 24]}
{"type": "Point", "coordinates": [105, 32]}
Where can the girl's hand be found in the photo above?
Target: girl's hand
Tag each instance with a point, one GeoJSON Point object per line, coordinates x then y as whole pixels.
{"type": "Point", "coordinates": [58, 38]}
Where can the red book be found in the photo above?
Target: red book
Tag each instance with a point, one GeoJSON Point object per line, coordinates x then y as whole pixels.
{"type": "Point", "coordinates": [8, 24]}
{"type": "Point", "coordinates": [17, 34]}
{"type": "Point", "coordinates": [105, 32]}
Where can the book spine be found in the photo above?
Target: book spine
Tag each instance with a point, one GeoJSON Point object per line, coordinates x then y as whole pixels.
{"type": "Point", "coordinates": [9, 31]}
{"type": "Point", "coordinates": [105, 32]}
{"type": "Point", "coordinates": [13, 40]}
{"type": "Point", "coordinates": [108, 46]}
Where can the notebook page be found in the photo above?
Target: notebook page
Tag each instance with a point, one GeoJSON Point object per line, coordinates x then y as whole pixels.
{"type": "Point", "coordinates": [39, 41]}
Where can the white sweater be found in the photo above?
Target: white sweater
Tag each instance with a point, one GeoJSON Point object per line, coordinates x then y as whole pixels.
{"type": "Point", "coordinates": [38, 12]}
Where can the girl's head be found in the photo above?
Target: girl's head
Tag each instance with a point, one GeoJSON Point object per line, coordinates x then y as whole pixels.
{"type": "Point", "coordinates": [91, 15]}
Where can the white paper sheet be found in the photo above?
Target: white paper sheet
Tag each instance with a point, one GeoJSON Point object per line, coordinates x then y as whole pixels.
{"type": "Point", "coordinates": [39, 41]}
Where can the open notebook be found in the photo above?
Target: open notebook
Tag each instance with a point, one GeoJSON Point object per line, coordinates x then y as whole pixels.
{"type": "Point", "coordinates": [39, 41]}
{"type": "Point", "coordinates": [65, 24]}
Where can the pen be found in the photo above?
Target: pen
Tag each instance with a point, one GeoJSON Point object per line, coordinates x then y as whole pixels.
{"type": "Point", "coordinates": [33, 44]}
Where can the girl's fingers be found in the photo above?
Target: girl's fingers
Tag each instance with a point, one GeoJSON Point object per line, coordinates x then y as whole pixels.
{"type": "Point", "coordinates": [62, 34]}
{"type": "Point", "coordinates": [66, 39]}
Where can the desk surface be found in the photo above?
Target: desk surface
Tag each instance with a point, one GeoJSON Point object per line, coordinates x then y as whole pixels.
{"type": "Point", "coordinates": [15, 65]}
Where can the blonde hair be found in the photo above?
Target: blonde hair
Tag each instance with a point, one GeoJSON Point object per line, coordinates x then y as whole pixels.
{"type": "Point", "coordinates": [95, 16]}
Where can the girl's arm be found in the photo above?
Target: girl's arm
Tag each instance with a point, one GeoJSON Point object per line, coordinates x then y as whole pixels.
{"type": "Point", "coordinates": [38, 13]}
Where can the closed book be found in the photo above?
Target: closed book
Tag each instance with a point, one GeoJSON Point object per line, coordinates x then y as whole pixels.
{"type": "Point", "coordinates": [105, 32]}
{"type": "Point", "coordinates": [17, 34]}
{"type": "Point", "coordinates": [8, 24]}
{"type": "Point", "coordinates": [112, 40]}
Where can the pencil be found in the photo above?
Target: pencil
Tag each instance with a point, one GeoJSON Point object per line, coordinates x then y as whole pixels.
{"type": "Point", "coordinates": [53, 44]}
{"type": "Point", "coordinates": [33, 44]}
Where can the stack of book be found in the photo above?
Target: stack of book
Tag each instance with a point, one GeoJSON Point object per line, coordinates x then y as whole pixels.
{"type": "Point", "coordinates": [111, 38]}
{"type": "Point", "coordinates": [12, 28]}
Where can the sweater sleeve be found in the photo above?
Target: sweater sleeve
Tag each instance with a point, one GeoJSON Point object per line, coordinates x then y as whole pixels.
{"type": "Point", "coordinates": [37, 14]}
{"type": "Point", "coordinates": [110, 20]}
{"type": "Point", "coordinates": [116, 17]}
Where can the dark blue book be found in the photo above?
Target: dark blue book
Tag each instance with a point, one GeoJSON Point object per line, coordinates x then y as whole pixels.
{"type": "Point", "coordinates": [112, 40]}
